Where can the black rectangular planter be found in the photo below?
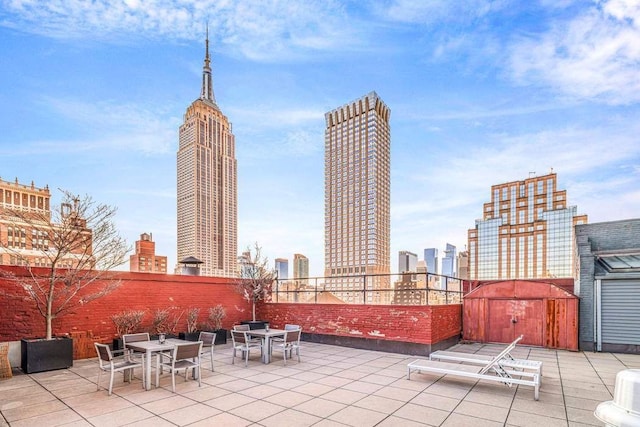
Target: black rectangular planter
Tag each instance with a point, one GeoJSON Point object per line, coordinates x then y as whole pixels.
{"type": "Point", "coordinates": [221, 336]}
{"type": "Point", "coordinates": [39, 355]}
{"type": "Point", "coordinates": [255, 324]}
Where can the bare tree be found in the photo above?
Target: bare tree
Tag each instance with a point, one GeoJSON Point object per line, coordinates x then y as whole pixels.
{"type": "Point", "coordinates": [256, 278]}
{"type": "Point", "coordinates": [76, 244]}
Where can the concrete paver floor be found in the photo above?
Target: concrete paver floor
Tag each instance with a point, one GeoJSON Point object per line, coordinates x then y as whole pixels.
{"type": "Point", "coordinates": [331, 386]}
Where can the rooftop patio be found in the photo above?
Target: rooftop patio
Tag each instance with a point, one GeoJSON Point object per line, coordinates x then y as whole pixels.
{"type": "Point", "coordinates": [331, 386]}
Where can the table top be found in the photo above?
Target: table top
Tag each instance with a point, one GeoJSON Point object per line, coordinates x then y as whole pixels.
{"type": "Point", "coordinates": [154, 345]}
{"type": "Point", "coordinates": [264, 333]}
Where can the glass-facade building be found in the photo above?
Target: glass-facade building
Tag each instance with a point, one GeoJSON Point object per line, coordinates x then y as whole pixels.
{"type": "Point", "coordinates": [431, 260]}
{"type": "Point", "coordinates": [449, 267]}
{"type": "Point", "coordinates": [282, 268]}
{"type": "Point", "coordinates": [407, 262]}
{"type": "Point", "coordinates": [527, 232]}
{"type": "Point", "coordinates": [357, 198]}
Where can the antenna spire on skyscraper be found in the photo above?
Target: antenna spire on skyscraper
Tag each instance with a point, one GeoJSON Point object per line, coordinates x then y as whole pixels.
{"type": "Point", "coordinates": [207, 79]}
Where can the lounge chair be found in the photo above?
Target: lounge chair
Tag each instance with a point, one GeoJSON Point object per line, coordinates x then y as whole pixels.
{"type": "Point", "coordinates": [481, 359]}
{"type": "Point", "coordinates": [492, 370]}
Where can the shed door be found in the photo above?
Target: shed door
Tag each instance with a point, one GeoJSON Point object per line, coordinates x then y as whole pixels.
{"type": "Point", "coordinates": [509, 319]}
{"type": "Point", "coordinates": [620, 312]}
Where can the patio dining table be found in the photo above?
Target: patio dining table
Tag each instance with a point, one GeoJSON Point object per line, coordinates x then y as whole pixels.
{"type": "Point", "coordinates": [266, 336]}
{"type": "Point", "coordinates": [150, 347]}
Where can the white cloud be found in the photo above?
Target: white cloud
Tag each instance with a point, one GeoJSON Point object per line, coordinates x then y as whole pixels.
{"type": "Point", "coordinates": [594, 56]}
{"type": "Point", "coordinates": [103, 125]}
{"type": "Point", "coordinates": [122, 126]}
{"type": "Point", "coordinates": [439, 203]}
{"type": "Point", "coordinates": [420, 11]}
{"type": "Point", "coordinates": [259, 30]}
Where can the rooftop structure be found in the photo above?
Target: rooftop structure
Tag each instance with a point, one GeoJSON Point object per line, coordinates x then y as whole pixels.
{"type": "Point", "coordinates": [145, 260]}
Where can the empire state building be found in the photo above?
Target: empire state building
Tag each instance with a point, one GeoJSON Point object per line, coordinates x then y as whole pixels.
{"type": "Point", "coordinates": [207, 184]}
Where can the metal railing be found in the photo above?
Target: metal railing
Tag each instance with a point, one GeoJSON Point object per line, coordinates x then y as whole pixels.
{"type": "Point", "coordinates": [387, 289]}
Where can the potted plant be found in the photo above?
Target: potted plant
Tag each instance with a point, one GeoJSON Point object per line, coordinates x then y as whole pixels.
{"type": "Point", "coordinates": [77, 244]}
{"type": "Point", "coordinates": [127, 322]}
{"type": "Point", "coordinates": [255, 282]}
{"type": "Point", "coordinates": [216, 314]}
{"type": "Point", "coordinates": [193, 332]}
{"type": "Point", "coordinates": [164, 323]}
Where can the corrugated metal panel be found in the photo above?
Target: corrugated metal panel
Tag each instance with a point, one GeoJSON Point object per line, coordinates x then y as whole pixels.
{"type": "Point", "coordinates": [620, 301]}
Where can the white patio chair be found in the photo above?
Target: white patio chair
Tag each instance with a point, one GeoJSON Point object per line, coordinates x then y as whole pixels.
{"type": "Point", "coordinates": [289, 343]}
{"type": "Point", "coordinates": [247, 328]}
{"type": "Point", "coordinates": [111, 364]}
{"type": "Point", "coordinates": [490, 371]}
{"type": "Point", "coordinates": [130, 338]}
{"type": "Point", "coordinates": [183, 357]}
{"type": "Point", "coordinates": [287, 327]}
{"type": "Point", "coordinates": [242, 342]}
{"type": "Point", "coordinates": [208, 344]}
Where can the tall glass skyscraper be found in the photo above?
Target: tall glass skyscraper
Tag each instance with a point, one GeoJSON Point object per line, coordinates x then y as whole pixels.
{"type": "Point", "coordinates": [449, 261]}
{"type": "Point", "coordinates": [357, 196]}
{"type": "Point", "coordinates": [527, 232]}
{"type": "Point", "coordinates": [431, 260]}
{"type": "Point", "coordinates": [282, 268]}
{"type": "Point", "coordinates": [207, 193]}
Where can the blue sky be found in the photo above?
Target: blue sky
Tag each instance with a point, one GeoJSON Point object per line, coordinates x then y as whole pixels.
{"type": "Point", "coordinates": [480, 92]}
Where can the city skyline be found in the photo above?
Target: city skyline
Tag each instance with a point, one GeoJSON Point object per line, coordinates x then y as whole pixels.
{"type": "Point", "coordinates": [481, 93]}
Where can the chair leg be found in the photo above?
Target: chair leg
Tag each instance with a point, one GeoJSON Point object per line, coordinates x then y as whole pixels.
{"type": "Point", "coordinates": [98, 381]}
{"type": "Point", "coordinates": [111, 382]}
{"type": "Point", "coordinates": [233, 358]}
{"type": "Point", "coordinates": [173, 380]}
{"type": "Point", "coordinates": [284, 355]}
{"type": "Point", "coordinates": [246, 358]}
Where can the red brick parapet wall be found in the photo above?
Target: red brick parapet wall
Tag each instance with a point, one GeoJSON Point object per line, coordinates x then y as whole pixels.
{"type": "Point", "coordinates": [407, 323]}
{"type": "Point", "coordinates": [138, 291]}
{"type": "Point", "coordinates": [416, 325]}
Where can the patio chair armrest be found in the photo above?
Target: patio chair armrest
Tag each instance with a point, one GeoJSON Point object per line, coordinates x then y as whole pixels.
{"type": "Point", "coordinates": [164, 356]}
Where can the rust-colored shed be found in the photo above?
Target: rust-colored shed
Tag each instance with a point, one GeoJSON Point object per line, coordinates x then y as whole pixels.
{"type": "Point", "coordinates": [544, 313]}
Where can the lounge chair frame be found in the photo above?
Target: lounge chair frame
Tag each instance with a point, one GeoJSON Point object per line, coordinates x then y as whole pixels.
{"type": "Point", "coordinates": [481, 359]}
{"type": "Point", "coordinates": [493, 370]}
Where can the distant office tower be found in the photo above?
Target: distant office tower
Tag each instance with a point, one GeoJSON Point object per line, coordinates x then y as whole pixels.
{"type": "Point", "coordinates": [449, 261]}
{"type": "Point", "coordinates": [463, 265]}
{"type": "Point", "coordinates": [527, 231]}
{"type": "Point", "coordinates": [207, 184]}
{"type": "Point", "coordinates": [282, 268]}
{"type": "Point", "coordinates": [357, 192]}
{"type": "Point", "coordinates": [301, 268]}
{"type": "Point", "coordinates": [30, 243]}
{"type": "Point", "coordinates": [407, 262]}
{"type": "Point", "coordinates": [145, 259]}
{"type": "Point", "coordinates": [431, 259]}
{"type": "Point", "coordinates": [245, 264]}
